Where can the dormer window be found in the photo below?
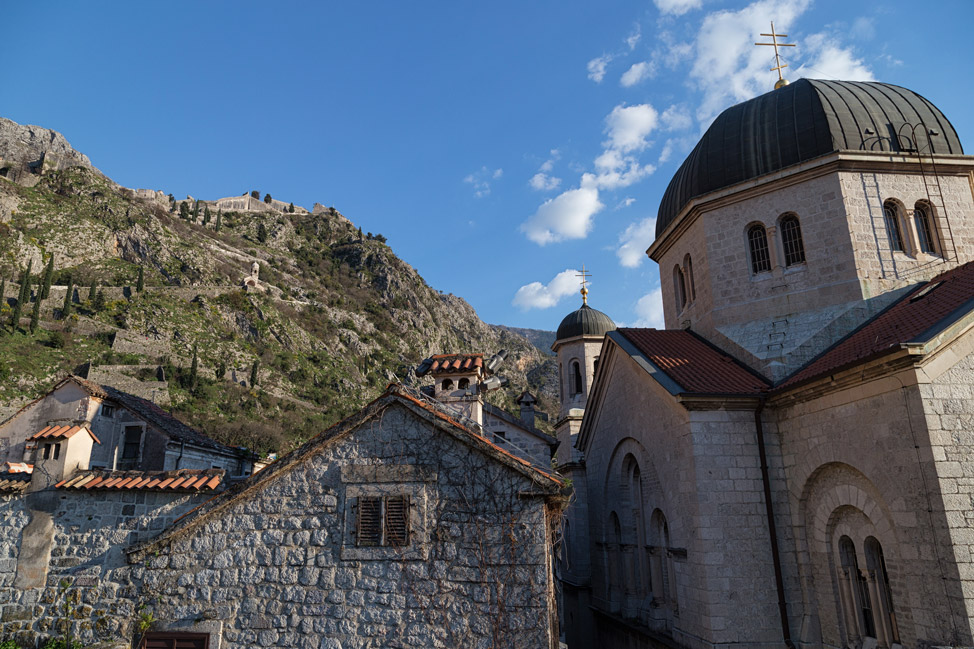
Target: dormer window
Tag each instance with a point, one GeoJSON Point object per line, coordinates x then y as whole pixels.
{"type": "Point", "coordinates": [52, 450]}
{"type": "Point", "coordinates": [757, 241]}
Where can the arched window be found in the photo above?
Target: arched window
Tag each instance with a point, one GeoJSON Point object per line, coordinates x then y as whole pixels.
{"type": "Point", "coordinates": [614, 589]}
{"type": "Point", "coordinates": [791, 239]}
{"type": "Point", "coordinates": [447, 384]}
{"type": "Point", "coordinates": [463, 384]}
{"type": "Point", "coordinates": [879, 577]}
{"type": "Point", "coordinates": [679, 288]}
{"type": "Point", "coordinates": [856, 603]}
{"type": "Point", "coordinates": [688, 279]}
{"type": "Point", "coordinates": [757, 241]}
{"type": "Point", "coordinates": [921, 219]}
{"type": "Point", "coordinates": [634, 493]}
{"type": "Point", "coordinates": [891, 214]}
{"type": "Point", "coordinates": [576, 378]}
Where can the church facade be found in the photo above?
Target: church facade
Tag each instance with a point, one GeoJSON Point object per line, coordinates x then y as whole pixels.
{"type": "Point", "coordinates": [790, 462]}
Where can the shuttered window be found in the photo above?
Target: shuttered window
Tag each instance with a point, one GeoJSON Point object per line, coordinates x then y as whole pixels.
{"type": "Point", "coordinates": [382, 521]}
{"type": "Point", "coordinates": [175, 641]}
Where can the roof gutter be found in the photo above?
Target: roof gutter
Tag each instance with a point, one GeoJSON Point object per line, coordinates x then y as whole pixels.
{"type": "Point", "coordinates": [772, 532]}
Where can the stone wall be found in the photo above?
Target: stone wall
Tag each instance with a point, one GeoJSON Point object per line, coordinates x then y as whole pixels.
{"type": "Point", "coordinates": [279, 565]}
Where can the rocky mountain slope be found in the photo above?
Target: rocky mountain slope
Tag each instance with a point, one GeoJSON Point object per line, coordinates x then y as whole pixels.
{"type": "Point", "coordinates": [332, 317]}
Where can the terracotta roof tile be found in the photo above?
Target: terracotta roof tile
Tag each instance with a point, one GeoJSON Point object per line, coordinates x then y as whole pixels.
{"type": "Point", "coordinates": [450, 363]}
{"type": "Point", "coordinates": [181, 480]}
{"type": "Point", "coordinates": [693, 363]}
{"type": "Point", "coordinates": [916, 317]}
{"type": "Point", "coordinates": [61, 432]}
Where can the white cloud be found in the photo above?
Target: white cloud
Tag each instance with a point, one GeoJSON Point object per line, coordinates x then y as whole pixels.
{"type": "Point", "coordinates": [596, 67]}
{"type": "Point", "coordinates": [676, 7]}
{"type": "Point", "coordinates": [628, 127]}
{"type": "Point", "coordinates": [567, 216]}
{"type": "Point", "coordinates": [624, 203]}
{"type": "Point", "coordinates": [543, 182]}
{"type": "Point", "coordinates": [637, 72]}
{"type": "Point", "coordinates": [832, 61]}
{"type": "Point", "coordinates": [649, 310]}
{"type": "Point", "coordinates": [540, 296]}
{"type": "Point", "coordinates": [634, 37]}
{"type": "Point", "coordinates": [676, 118]}
{"type": "Point", "coordinates": [480, 180]}
{"type": "Point", "coordinates": [634, 241]}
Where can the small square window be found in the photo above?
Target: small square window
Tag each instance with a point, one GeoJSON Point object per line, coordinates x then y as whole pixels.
{"type": "Point", "coordinates": [107, 410]}
{"type": "Point", "coordinates": [382, 521]}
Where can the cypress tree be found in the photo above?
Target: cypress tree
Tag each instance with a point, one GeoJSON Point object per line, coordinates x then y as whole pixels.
{"type": "Point", "coordinates": [48, 277]}
{"type": "Point", "coordinates": [196, 210]}
{"type": "Point", "coordinates": [35, 314]}
{"type": "Point", "coordinates": [194, 369]}
{"type": "Point", "coordinates": [99, 302]}
{"type": "Point", "coordinates": [3, 290]}
{"type": "Point", "coordinates": [290, 208]}
{"type": "Point", "coordinates": [66, 309]}
{"type": "Point", "coordinates": [184, 211]}
{"type": "Point", "coordinates": [140, 282]}
{"type": "Point", "coordinates": [23, 295]}
{"type": "Point", "coordinates": [253, 373]}
{"type": "Point", "coordinates": [92, 290]}
{"type": "Point", "coordinates": [206, 215]}
{"type": "Point", "coordinates": [219, 220]}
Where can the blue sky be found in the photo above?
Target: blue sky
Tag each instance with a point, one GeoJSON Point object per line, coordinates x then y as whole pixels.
{"type": "Point", "coordinates": [497, 145]}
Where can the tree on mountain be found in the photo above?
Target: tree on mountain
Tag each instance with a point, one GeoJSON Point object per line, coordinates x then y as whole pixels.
{"type": "Point", "coordinates": [261, 232]}
{"type": "Point", "coordinates": [22, 296]}
{"type": "Point", "coordinates": [194, 369]}
{"type": "Point", "coordinates": [267, 198]}
{"type": "Point", "coordinates": [140, 282]}
{"type": "Point", "coordinates": [172, 203]}
{"type": "Point", "coordinates": [35, 314]}
{"type": "Point", "coordinates": [92, 290]}
{"type": "Point", "coordinates": [48, 277]}
{"type": "Point", "coordinates": [196, 210]}
{"type": "Point", "coordinates": [3, 290]}
{"type": "Point", "coordinates": [360, 237]}
{"type": "Point", "coordinates": [253, 372]}
{"type": "Point", "coordinates": [99, 302]}
{"type": "Point", "coordinates": [219, 220]}
{"type": "Point", "coordinates": [68, 298]}
{"type": "Point", "coordinates": [290, 208]}
{"type": "Point", "coordinates": [183, 211]}
{"type": "Point", "coordinates": [206, 215]}
{"type": "Point", "coordinates": [255, 194]}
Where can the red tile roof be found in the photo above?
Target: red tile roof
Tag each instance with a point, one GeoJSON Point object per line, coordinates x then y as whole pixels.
{"type": "Point", "coordinates": [693, 363]}
{"type": "Point", "coordinates": [202, 481]}
{"type": "Point", "coordinates": [59, 432]}
{"type": "Point", "coordinates": [450, 363]}
{"type": "Point", "coordinates": [917, 317]}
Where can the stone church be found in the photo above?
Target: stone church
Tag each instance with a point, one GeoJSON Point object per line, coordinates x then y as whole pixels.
{"type": "Point", "coordinates": [791, 461]}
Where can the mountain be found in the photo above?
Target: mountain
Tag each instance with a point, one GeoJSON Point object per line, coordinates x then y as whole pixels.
{"type": "Point", "coordinates": [331, 316]}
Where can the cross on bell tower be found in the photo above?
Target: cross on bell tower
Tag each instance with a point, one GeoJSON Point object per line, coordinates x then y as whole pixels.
{"type": "Point", "coordinates": [584, 275]}
{"type": "Point", "coordinates": [779, 66]}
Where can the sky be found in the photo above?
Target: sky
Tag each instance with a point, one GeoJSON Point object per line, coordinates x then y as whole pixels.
{"type": "Point", "coordinates": [498, 146]}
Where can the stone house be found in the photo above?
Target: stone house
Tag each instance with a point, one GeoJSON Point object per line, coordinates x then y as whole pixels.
{"type": "Point", "coordinates": [130, 433]}
{"type": "Point", "coordinates": [397, 527]}
{"type": "Point", "coordinates": [790, 462]}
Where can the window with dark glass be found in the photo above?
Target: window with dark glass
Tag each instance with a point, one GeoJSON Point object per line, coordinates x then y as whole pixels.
{"type": "Point", "coordinates": [791, 239]}
{"type": "Point", "coordinates": [893, 227]}
{"type": "Point", "coordinates": [921, 219]}
{"type": "Point", "coordinates": [447, 384]}
{"type": "Point", "coordinates": [463, 384]}
{"type": "Point", "coordinates": [757, 241]}
{"type": "Point", "coordinates": [679, 288]}
{"type": "Point", "coordinates": [576, 378]}
{"type": "Point", "coordinates": [107, 410]}
{"type": "Point", "coordinates": [688, 279]}
{"type": "Point", "coordinates": [132, 442]}
{"type": "Point", "coordinates": [163, 640]}
{"type": "Point", "coordinates": [382, 521]}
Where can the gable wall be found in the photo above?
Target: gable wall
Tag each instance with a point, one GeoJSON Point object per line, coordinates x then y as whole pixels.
{"type": "Point", "coordinates": [853, 469]}
{"type": "Point", "coordinates": [62, 404]}
{"type": "Point", "coordinates": [522, 443]}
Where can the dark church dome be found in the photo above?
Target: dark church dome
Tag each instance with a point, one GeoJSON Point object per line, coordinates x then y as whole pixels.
{"type": "Point", "coordinates": [798, 122]}
{"type": "Point", "coordinates": [586, 321]}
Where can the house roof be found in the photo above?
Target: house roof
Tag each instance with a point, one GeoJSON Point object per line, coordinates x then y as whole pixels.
{"type": "Point", "coordinates": [696, 366]}
{"type": "Point", "coordinates": [500, 413]}
{"type": "Point", "coordinates": [917, 317]}
{"type": "Point", "coordinates": [199, 481]}
{"type": "Point", "coordinates": [61, 432]}
{"type": "Point", "coordinates": [549, 484]}
{"type": "Point", "coordinates": [456, 363]}
{"type": "Point", "coordinates": [14, 477]}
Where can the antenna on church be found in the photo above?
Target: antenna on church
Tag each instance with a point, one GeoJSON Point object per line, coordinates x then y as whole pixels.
{"type": "Point", "coordinates": [781, 82]}
{"type": "Point", "coordinates": [584, 275]}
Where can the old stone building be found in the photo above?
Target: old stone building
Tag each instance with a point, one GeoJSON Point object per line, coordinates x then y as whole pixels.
{"type": "Point", "coordinates": [397, 527]}
{"type": "Point", "coordinates": [790, 462]}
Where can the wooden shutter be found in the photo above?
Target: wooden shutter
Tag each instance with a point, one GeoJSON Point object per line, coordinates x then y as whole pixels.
{"type": "Point", "coordinates": [397, 520]}
{"type": "Point", "coordinates": [369, 529]}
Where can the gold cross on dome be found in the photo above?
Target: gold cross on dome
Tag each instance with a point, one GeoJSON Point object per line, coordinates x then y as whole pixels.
{"type": "Point", "coordinates": [779, 66]}
{"type": "Point", "coordinates": [584, 275]}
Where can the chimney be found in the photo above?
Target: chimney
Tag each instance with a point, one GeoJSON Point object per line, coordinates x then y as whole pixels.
{"type": "Point", "coordinates": [527, 401]}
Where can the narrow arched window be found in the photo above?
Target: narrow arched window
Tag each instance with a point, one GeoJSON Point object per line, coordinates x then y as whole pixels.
{"type": "Point", "coordinates": [891, 214]}
{"type": "Point", "coordinates": [679, 288]}
{"type": "Point", "coordinates": [463, 384]}
{"type": "Point", "coordinates": [757, 241]}
{"type": "Point", "coordinates": [688, 275]}
{"type": "Point", "coordinates": [921, 219]}
{"type": "Point", "coordinates": [885, 614]}
{"type": "Point", "coordinates": [447, 384]}
{"type": "Point", "coordinates": [857, 605]}
{"type": "Point", "coordinates": [576, 378]}
{"type": "Point", "coordinates": [791, 239]}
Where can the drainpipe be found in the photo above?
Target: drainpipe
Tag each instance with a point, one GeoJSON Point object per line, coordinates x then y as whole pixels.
{"type": "Point", "coordinates": [772, 531]}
